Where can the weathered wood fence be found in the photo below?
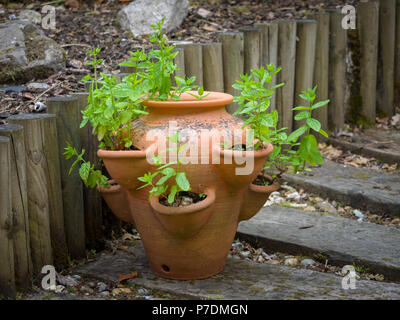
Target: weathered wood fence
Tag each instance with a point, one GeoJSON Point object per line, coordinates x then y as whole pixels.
{"type": "Point", "coordinates": [47, 216]}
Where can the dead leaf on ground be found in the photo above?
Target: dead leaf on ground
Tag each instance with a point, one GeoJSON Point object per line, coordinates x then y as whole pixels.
{"type": "Point", "coordinates": [123, 277]}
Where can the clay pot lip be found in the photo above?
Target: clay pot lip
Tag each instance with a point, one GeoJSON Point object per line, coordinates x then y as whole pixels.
{"type": "Point", "coordinates": [251, 153]}
{"type": "Point", "coordinates": [265, 189]}
{"type": "Point", "coordinates": [178, 211]}
{"type": "Point", "coordinates": [214, 99]}
{"type": "Point", "coordinates": [118, 154]}
{"type": "Point", "coordinates": [112, 189]}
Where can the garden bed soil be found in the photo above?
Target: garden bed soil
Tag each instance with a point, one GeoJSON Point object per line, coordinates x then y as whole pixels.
{"type": "Point", "coordinates": [93, 24]}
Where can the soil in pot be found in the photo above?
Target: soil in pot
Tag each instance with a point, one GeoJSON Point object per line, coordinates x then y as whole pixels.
{"type": "Point", "coordinates": [185, 198]}
{"type": "Point", "coordinates": [262, 181]}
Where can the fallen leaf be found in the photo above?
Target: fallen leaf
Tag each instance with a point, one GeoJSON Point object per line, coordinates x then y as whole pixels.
{"type": "Point", "coordinates": [209, 28]}
{"type": "Point", "coordinates": [123, 277]}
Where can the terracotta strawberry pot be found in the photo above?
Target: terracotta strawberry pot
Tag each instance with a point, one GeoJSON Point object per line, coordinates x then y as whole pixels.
{"type": "Point", "coordinates": [255, 198]}
{"type": "Point", "coordinates": [116, 199]}
{"type": "Point", "coordinates": [188, 242]}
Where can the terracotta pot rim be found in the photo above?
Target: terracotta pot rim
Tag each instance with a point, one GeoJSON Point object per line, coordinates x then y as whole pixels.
{"type": "Point", "coordinates": [215, 99]}
{"type": "Point", "coordinates": [265, 189]}
{"type": "Point", "coordinates": [176, 211]}
{"type": "Point", "coordinates": [251, 153]}
{"type": "Point", "coordinates": [113, 154]}
{"type": "Point", "coordinates": [113, 188]}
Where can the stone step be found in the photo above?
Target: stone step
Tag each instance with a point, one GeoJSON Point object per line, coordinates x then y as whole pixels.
{"type": "Point", "coordinates": [360, 188]}
{"type": "Point", "coordinates": [342, 241]}
{"type": "Point", "coordinates": [240, 280]}
{"type": "Point", "coordinates": [381, 144]}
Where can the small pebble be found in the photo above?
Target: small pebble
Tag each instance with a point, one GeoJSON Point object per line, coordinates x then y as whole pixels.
{"type": "Point", "coordinates": [101, 286]}
{"type": "Point", "coordinates": [358, 214]}
{"type": "Point", "coordinates": [86, 289]}
{"type": "Point", "coordinates": [245, 254]}
{"type": "Point", "coordinates": [294, 196]}
{"type": "Point", "coordinates": [104, 293]}
{"type": "Point", "coordinates": [307, 262]}
{"type": "Point", "coordinates": [143, 291]}
{"type": "Point", "coordinates": [291, 262]}
{"type": "Point", "coordinates": [59, 289]}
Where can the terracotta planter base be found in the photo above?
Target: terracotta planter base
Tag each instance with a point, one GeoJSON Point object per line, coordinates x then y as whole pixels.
{"type": "Point", "coordinates": [191, 242]}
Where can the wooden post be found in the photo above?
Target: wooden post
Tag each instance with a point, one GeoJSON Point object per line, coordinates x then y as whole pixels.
{"type": "Point", "coordinates": [68, 119]}
{"type": "Point", "coordinates": [397, 54]}
{"type": "Point", "coordinates": [368, 28]}
{"type": "Point", "coordinates": [321, 68]}
{"type": "Point", "coordinates": [179, 60]}
{"type": "Point", "coordinates": [287, 60]}
{"type": "Point", "coordinates": [119, 78]}
{"type": "Point", "coordinates": [40, 142]}
{"type": "Point", "coordinates": [91, 197]}
{"type": "Point", "coordinates": [273, 55]}
{"type": "Point", "coordinates": [193, 61]}
{"type": "Point", "coordinates": [232, 55]}
{"type": "Point", "coordinates": [213, 74]}
{"type": "Point", "coordinates": [252, 48]}
{"type": "Point", "coordinates": [7, 278]}
{"type": "Point", "coordinates": [264, 46]}
{"type": "Point", "coordinates": [269, 49]}
{"type": "Point", "coordinates": [387, 28]}
{"type": "Point", "coordinates": [305, 61]}
{"type": "Point", "coordinates": [337, 73]}
{"type": "Point", "coordinates": [19, 205]}
{"type": "Point", "coordinates": [126, 69]}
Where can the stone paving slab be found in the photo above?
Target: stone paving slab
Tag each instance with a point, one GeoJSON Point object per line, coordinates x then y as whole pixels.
{"type": "Point", "coordinates": [381, 144]}
{"type": "Point", "coordinates": [360, 188]}
{"type": "Point", "coordinates": [342, 241]}
{"type": "Point", "coordinates": [240, 280]}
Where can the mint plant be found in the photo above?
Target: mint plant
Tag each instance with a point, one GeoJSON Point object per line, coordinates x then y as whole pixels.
{"type": "Point", "coordinates": [157, 67]}
{"type": "Point", "coordinates": [89, 175]}
{"type": "Point", "coordinates": [172, 181]}
{"type": "Point", "coordinates": [293, 150]}
{"type": "Point", "coordinates": [255, 99]}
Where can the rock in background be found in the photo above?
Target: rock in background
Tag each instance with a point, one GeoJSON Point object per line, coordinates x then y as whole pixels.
{"type": "Point", "coordinates": [26, 53]}
{"type": "Point", "coordinates": [138, 15]}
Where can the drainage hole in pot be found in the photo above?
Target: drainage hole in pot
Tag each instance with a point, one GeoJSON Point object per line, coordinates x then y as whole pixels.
{"type": "Point", "coordinates": [165, 268]}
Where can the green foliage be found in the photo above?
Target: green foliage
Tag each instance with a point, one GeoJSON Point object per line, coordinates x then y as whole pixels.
{"type": "Point", "coordinates": [156, 69]}
{"type": "Point", "coordinates": [171, 181]}
{"type": "Point", "coordinates": [90, 176]}
{"type": "Point", "coordinates": [254, 101]}
{"type": "Point", "coordinates": [112, 106]}
{"type": "Point", "coordinates": [293, 150]}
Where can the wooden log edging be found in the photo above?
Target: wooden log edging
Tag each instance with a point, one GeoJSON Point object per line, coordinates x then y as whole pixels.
{"type": "Point", "coordinates": [193, 60]}
{"type": "Point", "coordinates": [387, 24]}
{"type": "Point", "coordinates": [39, 132]}
{"type": "Point", "coordinates": [91, 197]}
{"type": "Point", "coordinates": [19, 205]}
{"type": "Point", "coordinates": [264, 43]}
{"type": "Point", "coordinates": [305, 61]}
{"type": "Point", "coordinates": [287, 60]}
{"type": "Point", "coordinates": [179, 60]}
{"type": "Point", "coordinates": [397, 55]}
{"type": "Point", "coordinates": [337, 70]}
{"type": "Point", "coordinates": [321, 68]}
{"type": "Point", "coordinates": [213, 74]}
{"type": "Point", "coordinates": [368, 29]}
{"type": "Point", "coordinates": [7, 278]}
{"type": "Point", "coordinates": [233, 62]}
{"type": "Point", "coordinates": [68, 118]}
{"type": "Point", "coordinates": [252, 48]}
{"type": "Point", "coordinates": [269, 51]}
